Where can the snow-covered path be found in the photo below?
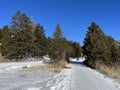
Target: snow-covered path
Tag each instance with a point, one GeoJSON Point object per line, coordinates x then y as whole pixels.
{"type": "Point", "coordinates": [84, 78]}
{"type": "Point", "coordinates": [75, 77]}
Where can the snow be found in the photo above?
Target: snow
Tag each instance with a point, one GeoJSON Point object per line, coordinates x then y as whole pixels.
{"type": "Point", "coordinates": [85, 78]}
{"type": "Point", "coordinates": [25, 81]}
{"type": "Point", "coordinates": [12, 66]}
{"type": "Point", "coordinates": [12, 78]}
{"type": "Point", "coordinates": [32, 88]}
{"type": "Point", "coordinates": [46, 57]}
{"type": "Point", "coordinates": [80, 77]}
{"type": "Point", "coordinates": [76, 77]}
{"type": "Point", "coordinates": [62, 80]}
{"type": "Point", "coordinates": [79, 60]}
{"type": "Point", "coordinates": [110, 81]}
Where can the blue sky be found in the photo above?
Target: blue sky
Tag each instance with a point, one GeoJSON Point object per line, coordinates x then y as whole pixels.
{"type": "Point", "coordinates": [74, 16]}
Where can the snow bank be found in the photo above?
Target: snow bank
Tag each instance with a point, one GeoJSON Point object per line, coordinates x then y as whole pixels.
{"type": "Point", "coordinates": [62, 80]}
{"type": "Point", "coordinates": [79, 60]}
{"type": "Point", "coordinates": [110, 81]}
{"type": "Point", "coordinates": [46, 57]}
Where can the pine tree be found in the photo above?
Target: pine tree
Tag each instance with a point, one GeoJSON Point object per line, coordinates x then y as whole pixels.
{"type": "Point", "coordinates": [23, 36]}
{"type": "Point", "coordinates": [0, 40]}
{"type": "Point", "coordinates": [58, 34]}
{"type": "Point", "coordinates": [5, 36]}
{"type": "Point", "coordinates": [40, 40]}
{"type": "Point", "coordinates": [77, 50]}
{"type": "Point", "coordinates": [99, 47]}
{"type": "Point", "coordinates": [94, 44]}
{"type": "Point", "coordinates": [59, 44]}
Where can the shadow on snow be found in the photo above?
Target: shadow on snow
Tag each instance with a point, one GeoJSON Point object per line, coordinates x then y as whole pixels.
{"type": "Point", "coordinates": [77, 62]}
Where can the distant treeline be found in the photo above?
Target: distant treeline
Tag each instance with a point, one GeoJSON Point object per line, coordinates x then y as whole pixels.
{"type": "Point", "coordinates": [24, 38]}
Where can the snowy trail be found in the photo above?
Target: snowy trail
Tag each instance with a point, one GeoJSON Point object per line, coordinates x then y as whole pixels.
{"type": "Point", "coordinates": [75, 77]}
{"type": "Point", "coordinates": [84, 78]}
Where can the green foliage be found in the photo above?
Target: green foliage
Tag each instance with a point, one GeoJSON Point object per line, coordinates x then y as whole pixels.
{"type": "Point", "coordinates": [24, 38]}
{"type": "Point", "coordinates": [22, 41]}
{"type": "Point", "coordinates": [60, 48]}
{"type": "Point", "coordinates": [77, 50]}
{"type": "Point", "coordinates": [40, 41]}
{"type": "Point", "coordinates": [20, 21]}
{"type": "Point", "coordinates": [20, 44]}
{"type": "Point", "coordinates": [98, 47]}
{"type": "Point", "coordinates": [59, 44]}
{"type": "Point", "coordinates": [58, 34]}
{"type": "Point", "coordinates": [4, 37]}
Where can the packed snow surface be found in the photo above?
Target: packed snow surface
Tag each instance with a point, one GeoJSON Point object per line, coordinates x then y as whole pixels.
{"type": "Point", "coordinates": [76, 76]}
{"type": "Point", "coordinates": [80, 77]}
{"type": "Point", "coordinates": [85, 78]}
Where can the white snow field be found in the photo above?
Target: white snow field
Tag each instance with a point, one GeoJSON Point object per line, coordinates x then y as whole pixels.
{"type": "Point", "coordinates": [76, 77]}
{"type": "Point", "coordinates": [13, 78]}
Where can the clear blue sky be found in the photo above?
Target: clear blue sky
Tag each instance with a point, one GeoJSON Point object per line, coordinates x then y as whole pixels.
{"type": "Point", "coordinates": [74, 16]}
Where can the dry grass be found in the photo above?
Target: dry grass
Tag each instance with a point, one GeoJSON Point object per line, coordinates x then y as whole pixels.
{"type": "Point", "coordinates": [60, 64]}
{"type": "Point", "coordinates": [37, 68]}
{"type": "Point", "coordinates": [111, 71]}
{"type": "Point", "coordinates": [57, 67]}
{"type": "Point", "coordinates": [1, 58]}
